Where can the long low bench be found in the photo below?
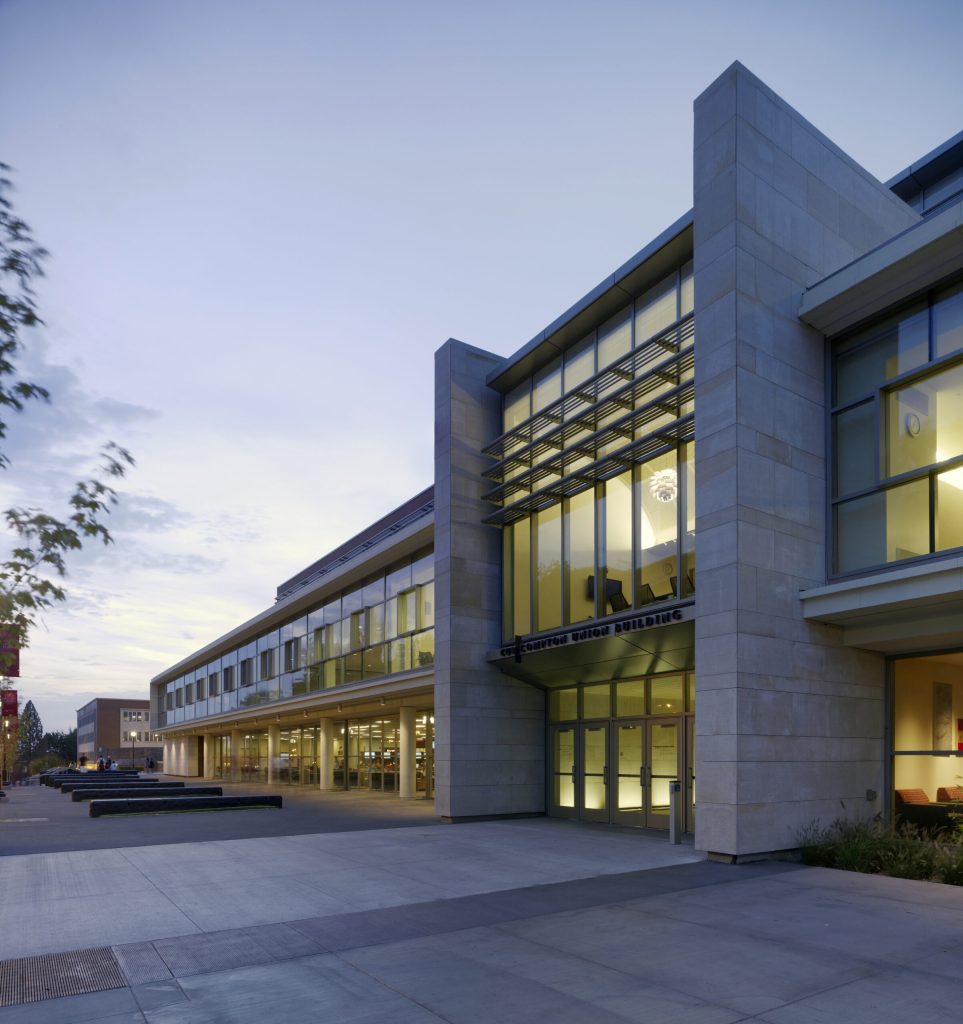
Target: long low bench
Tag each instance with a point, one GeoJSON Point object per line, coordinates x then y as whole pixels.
{"type": "Point", "coordinates": [92, 793]}
{"type": "Point", "coordinates": [145, 784]}
{"type": "Point", "coordinates": [149, 805]}
{"type": "Point", "coordinates": [68, 779]}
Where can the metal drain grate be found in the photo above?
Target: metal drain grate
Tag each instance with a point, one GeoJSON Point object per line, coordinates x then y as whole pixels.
{"type": "Point", "coordinates": [53, 975]}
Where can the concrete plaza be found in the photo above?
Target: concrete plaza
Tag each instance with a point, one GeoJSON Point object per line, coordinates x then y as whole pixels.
{"type": "Point", "coordinates": [509, 921]}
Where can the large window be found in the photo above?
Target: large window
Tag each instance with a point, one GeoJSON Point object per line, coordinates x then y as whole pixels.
{"type": "Point", "coordinates": [383, 626]}
{"type": "Point", "coordinates": [594, 471]}
{"type": "Point", "coordinates": [897, 437]}
{"type": "Point", "coordinates": [927, 715]}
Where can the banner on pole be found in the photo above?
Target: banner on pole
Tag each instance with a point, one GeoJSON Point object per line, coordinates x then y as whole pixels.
{"type": "Point", "coordinates": [9, 652]}
{"type": "Point", "coordinates": [9, 703]}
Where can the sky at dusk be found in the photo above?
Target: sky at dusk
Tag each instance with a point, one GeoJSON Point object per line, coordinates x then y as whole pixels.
{"type": "Point", "coordinates": [265, 217]}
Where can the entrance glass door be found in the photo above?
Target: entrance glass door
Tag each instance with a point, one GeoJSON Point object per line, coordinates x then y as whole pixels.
{"type": "Point", "coordinates": [595, 773]}
{"type": "Point", "coordinates": [563, 772]}
{"type": "Point", "coordinates": [629, 761]}
{"type": "Point", "coordinates": [663, 751]}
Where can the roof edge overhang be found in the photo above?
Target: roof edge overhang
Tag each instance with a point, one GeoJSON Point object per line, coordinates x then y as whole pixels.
{"type": "Point", "coordinates": [910, 262]}
{"type": "Point", "coordinates": [383, 694]}
{"type": "Point", "coordinates": [910, 608]}
{"type": "Point", "coordinates": [646, 267]}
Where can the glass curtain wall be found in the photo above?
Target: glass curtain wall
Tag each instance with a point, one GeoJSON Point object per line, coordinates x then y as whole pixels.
{"type": "Point", "coordinates": [381, 627]}
{"type": "Point", "coordinates": [627, 539]}
{"type": "Point", "coordinates": [634, 534]}
{"type": "Point", "coordinates": [897, 435]}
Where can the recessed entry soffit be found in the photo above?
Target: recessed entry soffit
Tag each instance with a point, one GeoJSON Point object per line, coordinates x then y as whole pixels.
{"type": "Point", "coordinates": [626, 655]}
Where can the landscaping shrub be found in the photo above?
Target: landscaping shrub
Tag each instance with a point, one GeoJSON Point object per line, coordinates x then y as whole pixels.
{"type": "Point", "coordinates": [873, 847]}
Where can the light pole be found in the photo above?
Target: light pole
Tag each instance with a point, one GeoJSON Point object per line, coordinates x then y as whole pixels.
{"type": "Point", "coordinates": [6, 740]}
{"type": "Point", "coordinates": [133, 739]}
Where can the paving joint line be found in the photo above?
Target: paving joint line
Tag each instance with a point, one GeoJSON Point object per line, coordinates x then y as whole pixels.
{"type": "Point", "coordinates": [543, 892]}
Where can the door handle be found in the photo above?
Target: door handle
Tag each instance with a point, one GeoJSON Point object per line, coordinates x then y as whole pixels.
{"type": "Point", "coordinates": [573, 774]}
{"type": "Point", "coordinates": [605, 774]}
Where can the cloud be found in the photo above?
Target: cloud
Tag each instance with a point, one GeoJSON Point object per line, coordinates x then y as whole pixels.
{"type": "Point", "coordinates": [144, 513]}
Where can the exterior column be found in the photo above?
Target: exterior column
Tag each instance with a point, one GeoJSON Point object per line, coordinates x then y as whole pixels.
{"type": "Point", "coordinates": [208, 755]}
{"type": "Point", "coordinates": [236, 736]}
{"type": "Point", "coordinates": [789, 723]}
{"type": "Point", "coordinates": [274, 753]}
{"type": "Point", "coordinates": [406, 761]}
{"type": "Point", "coordinates": [326, 754]}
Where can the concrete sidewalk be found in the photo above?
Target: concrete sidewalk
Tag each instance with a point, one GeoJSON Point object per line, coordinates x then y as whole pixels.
{"type": "Point", "coordinates": [494, 923]}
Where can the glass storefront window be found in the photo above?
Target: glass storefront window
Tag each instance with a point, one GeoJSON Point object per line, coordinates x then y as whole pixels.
{"type": "Point", "coordinates": [563, 705]}
{"type": "Point", "coordinates": [630, 698]}
{"type": "Point", "coordinates": [596, 701]}
{"type": "Point", "coordinates": [667, 695]}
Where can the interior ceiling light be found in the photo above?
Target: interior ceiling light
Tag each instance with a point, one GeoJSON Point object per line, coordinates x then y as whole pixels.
{"type": "Point", "coordinates": [663, 485]}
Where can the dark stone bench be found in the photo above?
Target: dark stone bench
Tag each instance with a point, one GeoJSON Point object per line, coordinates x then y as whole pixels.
{"type": "Point", "coordinates": [148, 805]}
{"type": "Point", "coordinates": [91, 777]}
{"type": "Point", "coordinates": [92, 793]}
{"type": "Point", "coordinates": [145, 784]}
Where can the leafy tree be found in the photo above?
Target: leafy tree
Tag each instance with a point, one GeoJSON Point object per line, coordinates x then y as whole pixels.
{"type": "Point", "coordinates": [29, 733]}
{"type": "Point", "coordinates": [30, 577]}
{"type": "Point", "coordinates": [61, 744]}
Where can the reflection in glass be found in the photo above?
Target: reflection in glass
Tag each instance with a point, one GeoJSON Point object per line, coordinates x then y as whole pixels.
{"type": "Point", "coordinates": [855, 440]}
{"type": "Point", "coordinates": [883, 527]}
{"type": "Point", "coordinates": [881, 352]}
{"type": "Point", "coordinates": [667, 695]}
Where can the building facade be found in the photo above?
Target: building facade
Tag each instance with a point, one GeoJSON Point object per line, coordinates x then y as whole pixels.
{"type": "Point", "coordinates": [703, 529]}
{"type": "Point", "coordinates": [118, 728]}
